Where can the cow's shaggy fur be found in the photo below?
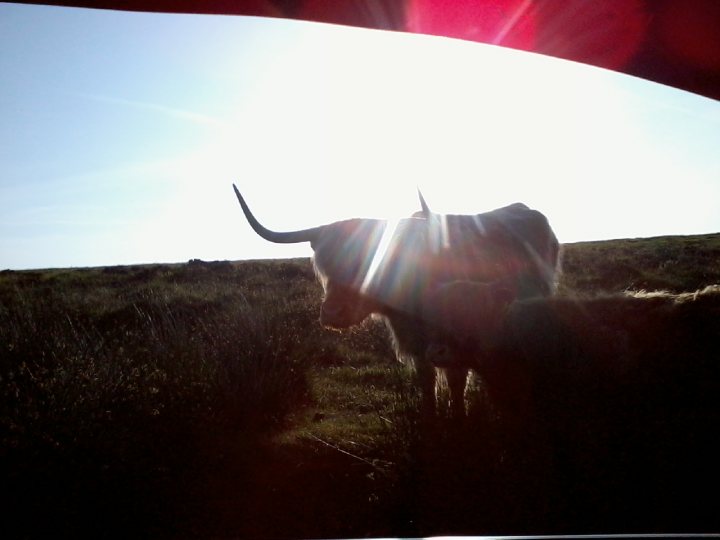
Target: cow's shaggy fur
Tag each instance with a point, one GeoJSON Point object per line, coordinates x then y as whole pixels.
{"type": "Point", "coordinates": [622, 390]}
{"type": "Point", "coordinates": [611, 403]}
{"type": "Point", "coordinates": [564, 343]}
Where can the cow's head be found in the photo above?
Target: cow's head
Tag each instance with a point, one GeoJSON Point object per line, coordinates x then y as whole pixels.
{"type": "Point", "coordinates": [343, 306]}
{"type": "Point", "coordinates": [364, 265]}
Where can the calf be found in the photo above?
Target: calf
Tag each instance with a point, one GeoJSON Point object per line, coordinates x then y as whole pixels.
{"type": "Point", "coordinates": [547, 359]}
{"type": "Point", "coordinates": [613, 400]}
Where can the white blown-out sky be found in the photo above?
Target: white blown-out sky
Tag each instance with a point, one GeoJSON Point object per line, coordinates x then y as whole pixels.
{"type": "Point", "coordinates": [122, 133]}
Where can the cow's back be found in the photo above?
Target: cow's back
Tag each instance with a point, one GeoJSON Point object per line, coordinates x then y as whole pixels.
{"type": "Point", "coordinates": [514, 244]}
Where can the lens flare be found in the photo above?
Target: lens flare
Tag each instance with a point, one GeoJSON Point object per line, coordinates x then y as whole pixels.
{"type": "Point", "coordinates": [380, 253]}
{"type": "Point", "coordinates": [500, 22]}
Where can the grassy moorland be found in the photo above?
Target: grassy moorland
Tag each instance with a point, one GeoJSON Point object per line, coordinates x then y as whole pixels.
{"type": "Point", "coordinates": [204, 400]}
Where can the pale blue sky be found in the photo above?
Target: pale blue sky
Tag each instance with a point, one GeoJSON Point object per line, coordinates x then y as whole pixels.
{"type": "Point", "coordinates": [121, 134]}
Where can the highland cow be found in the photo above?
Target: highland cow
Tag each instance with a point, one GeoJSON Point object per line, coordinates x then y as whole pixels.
{"type": "Point", "coordinates": [369, 266]}
{"type": "Point", "coordinates": [614, 367]}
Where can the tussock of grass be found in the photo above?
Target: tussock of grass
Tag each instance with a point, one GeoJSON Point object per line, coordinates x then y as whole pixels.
{"type": "Point", "coordinates": [117, 385]}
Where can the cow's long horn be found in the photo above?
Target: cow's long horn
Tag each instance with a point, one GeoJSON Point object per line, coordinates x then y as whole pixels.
{"type": "Point", "coordinates": [290, 237]}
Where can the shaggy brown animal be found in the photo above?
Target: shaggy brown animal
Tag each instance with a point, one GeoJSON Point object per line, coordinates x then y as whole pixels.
{"type": "Point", "coordinates": [611, 395]}
{"type": "Point", "coordinates": [561, 343]}
{"type": "Point", "coordinates": [377, 267]}
{"type": "Point", "coordinates": [481, 320]}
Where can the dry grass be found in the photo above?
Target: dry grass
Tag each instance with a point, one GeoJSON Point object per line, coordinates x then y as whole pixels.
{"type": "Point", "coordinates": [205, 400]}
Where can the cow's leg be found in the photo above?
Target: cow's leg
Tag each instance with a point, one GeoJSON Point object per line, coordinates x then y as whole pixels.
{"type": "Point", "coordinates": [426, 381]}
{"type": "Point", "coordinates": [456, 380]}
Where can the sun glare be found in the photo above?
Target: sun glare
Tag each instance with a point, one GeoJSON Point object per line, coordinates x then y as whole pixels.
{"type": "Point", "coordinates": [506, 22]}
{"type": "Point", "coordinates": [318, 123]}
{"type": "Point", "coordinates": [475, 126]}
{"type": "Point", "coordinates": [380, 253]}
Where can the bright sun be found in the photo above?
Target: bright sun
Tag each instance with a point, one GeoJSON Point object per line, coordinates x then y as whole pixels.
{"type": "Point", "coordinates": [317, 123]}
{"type": "Point", "coordinates": [474, 126]}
